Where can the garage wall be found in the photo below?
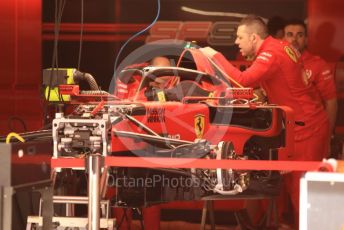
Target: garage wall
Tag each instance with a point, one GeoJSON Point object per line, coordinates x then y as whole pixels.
{"type": "Point", "coordinates": [326, 34]}
{"type": "Point", "coordinates": [20, 65]}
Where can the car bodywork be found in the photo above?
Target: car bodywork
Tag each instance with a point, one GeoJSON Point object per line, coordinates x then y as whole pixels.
{"type": "Point", "coordinates": [197, 115]}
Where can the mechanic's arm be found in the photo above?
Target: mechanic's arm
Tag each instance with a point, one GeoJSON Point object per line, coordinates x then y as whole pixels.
{"type": "Point", "coordinates": [260, 69]}
{"type": "Point", "coordinates": [331, 107]}
{"type": "Point", "coordinates": [325, 84]}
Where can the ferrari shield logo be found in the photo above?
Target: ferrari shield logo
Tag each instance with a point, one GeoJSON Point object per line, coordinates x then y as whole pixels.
{"type": "Point", "coordinates": [199, 125]}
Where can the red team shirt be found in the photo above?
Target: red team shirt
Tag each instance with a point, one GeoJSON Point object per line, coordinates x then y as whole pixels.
{"type": "Point", "coordinates": [275, 71]}
{"type": "Point", "coordinates": [320, 75]}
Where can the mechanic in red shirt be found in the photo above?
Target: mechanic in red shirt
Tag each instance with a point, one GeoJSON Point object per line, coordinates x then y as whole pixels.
{"type": "Point", "coordinates": [276, 68]}
{"type": "Point", "coordinates": [318, 72]}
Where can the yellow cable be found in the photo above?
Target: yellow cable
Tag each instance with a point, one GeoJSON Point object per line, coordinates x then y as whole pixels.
{"type": "Point", "coordinates": [16, 135]}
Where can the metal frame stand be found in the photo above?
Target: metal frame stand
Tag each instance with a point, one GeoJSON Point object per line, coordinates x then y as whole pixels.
{"type": "Point", "coordinates": [5, 207]}
{"type": "Point", "coordinates": [270, 218]}
{"type": "Point", "coordinates": [94, 221]}
{"type": "Point", "coordinates": [93, 167]}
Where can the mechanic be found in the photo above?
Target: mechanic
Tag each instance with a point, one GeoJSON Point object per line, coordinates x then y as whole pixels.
{"type": "Point", "coordinates": [318, 72]}
{"type": "Point", "coordinates": [275, 27]}
{"type": "Point", "coordinates": [277, 69]}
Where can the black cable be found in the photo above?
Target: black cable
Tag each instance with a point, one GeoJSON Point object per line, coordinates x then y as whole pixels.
{"type": "Point", "coordinates": [15, 118]}
{"type": "Point", "coordinates": [81, 76]}
{"type": "Point", "coordinates": [31, 135]}
{"type": "Point", "coordinates": [57, 33]}
{"type": "Point", "coordinates": [81, 32]}
{"type": "Point", "coordinates": [40, 138]}
{"type": "Point", "coordinates": [53, 59]}
{"type": "Point", "coordinates": [59, 7]}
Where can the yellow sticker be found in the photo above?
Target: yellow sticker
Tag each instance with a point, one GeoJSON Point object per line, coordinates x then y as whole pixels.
{"type": "Point", "coordinates": [161, 96]}
{"type": "Point", "coordinates": [290, 53]}
{"type": "Point", "coordinates": [199, 125]}
{"type": "Point", "coordinates": [211, 95]}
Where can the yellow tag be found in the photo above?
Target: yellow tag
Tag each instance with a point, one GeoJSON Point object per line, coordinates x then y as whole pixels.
{"type": "Point", "coordinates": [70, 73]}
{"type": "Point", "coordinates": [211, 94]}
{"type": "Point", "coordinates": [161, 96]}
{"type": "Point", "coordinates": [290, 53]}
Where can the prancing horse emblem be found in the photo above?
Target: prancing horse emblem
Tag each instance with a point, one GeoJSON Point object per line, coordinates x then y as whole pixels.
{"type": "Point", "coordinates": [199, 125]}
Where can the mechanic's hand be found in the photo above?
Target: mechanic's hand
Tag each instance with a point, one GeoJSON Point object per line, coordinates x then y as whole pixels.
{"type": "Point", "coordinates": [261, 94]}
{"type": "Point", "coordinates": [208, 51]}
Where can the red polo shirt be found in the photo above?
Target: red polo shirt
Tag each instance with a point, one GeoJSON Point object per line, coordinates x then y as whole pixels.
{"type": "Point", "coordinates": [319, 74]}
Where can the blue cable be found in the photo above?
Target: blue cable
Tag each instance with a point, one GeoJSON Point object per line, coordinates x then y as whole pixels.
{"type": "Point", "coordinates": [135, 35]}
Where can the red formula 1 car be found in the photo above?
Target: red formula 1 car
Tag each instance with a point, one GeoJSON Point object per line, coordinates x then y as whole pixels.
{"type": "Point", "coordinates": [195, 114]}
